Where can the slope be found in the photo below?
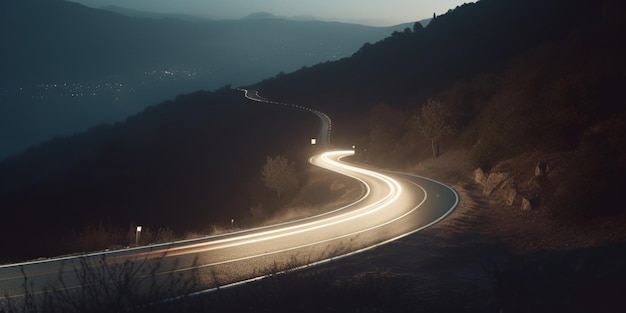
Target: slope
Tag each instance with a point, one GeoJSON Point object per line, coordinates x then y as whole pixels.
{"type": "Point", "coordinates": [184, 164]}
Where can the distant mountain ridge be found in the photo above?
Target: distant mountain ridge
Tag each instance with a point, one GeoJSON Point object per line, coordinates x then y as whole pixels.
{"type": "Point", "coordinates": [155, 15]}
{"type": "Point", "coordinates": [97, 66]}
{"type": "Point", "coordinates": [261, 16]}
{"type": "Point", "coordinates": [71, 36]}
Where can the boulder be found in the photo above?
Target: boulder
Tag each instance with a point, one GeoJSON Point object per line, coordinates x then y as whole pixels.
{"type": "Point", "coordinates": [541, 169]}
{"type": "Point", "coordinates": [510, 192]}
{"type": "Point", "coordinates": [493, 181]}
{"type": "Point", "coordinates": [479, 176]}
{"type": "Point", "coordinates": [530, 202]}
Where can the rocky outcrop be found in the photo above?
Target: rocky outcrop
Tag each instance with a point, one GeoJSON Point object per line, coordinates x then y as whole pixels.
{"type": "Point", "coordinates": [489, 182]}
{"type": "Point", "coordinates": [546, 166]}
{"type": "Point", "coordinates": [493, 182]}
{"type": "Point", "coordinates": [479, 176]}
{"type": "Point", "coordinates": [519, 182]}
{"type": "Point", "coordinates": [530, 202]}
{"type": "Point", "coordinates": [541, 169]}
{"type": "Point", "coordinates": [510, 192]}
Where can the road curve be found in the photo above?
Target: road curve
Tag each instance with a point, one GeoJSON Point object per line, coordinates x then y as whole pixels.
{"type": "Point", "coordinates": [393, 205]}
{"type": "Point", "coordinates": [326, 123]}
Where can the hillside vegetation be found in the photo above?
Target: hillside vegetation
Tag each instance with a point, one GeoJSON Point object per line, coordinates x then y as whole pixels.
{"type": "Point", "coordinates": [515, 78]}
{"type": "Point", "coordinates": [183, 165]}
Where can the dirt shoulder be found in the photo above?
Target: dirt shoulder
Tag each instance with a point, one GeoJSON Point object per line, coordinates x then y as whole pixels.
{"type": "Point", "coordinates": [489, 256]}
{"type": "Point", "coordinates": [522, 231]}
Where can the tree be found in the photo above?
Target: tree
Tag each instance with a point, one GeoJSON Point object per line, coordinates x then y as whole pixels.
{"type": "Point", "coordinates": [279, 174]}
{"type": "Point", "coordinates": [417, 27]}
{"type": "Point", "coordinates": [434, 122]}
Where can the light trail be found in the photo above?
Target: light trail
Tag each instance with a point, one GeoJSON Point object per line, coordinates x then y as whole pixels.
{"type": "Point", "coordinates": [299, 226]}
{"type": "Point", "coordinates": [393, 205]}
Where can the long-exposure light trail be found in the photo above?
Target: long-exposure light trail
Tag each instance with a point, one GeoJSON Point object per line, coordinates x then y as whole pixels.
{"type": "Point", "coordinates": [393, 205]}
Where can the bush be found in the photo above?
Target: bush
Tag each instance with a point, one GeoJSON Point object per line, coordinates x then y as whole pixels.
{"type": "Point", "coordinates": [106, 287]}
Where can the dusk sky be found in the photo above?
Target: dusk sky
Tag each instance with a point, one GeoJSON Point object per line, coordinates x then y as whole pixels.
{"type": "Point", "coordinates": [370, 12]}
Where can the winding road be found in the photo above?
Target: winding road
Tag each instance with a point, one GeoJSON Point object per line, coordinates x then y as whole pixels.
{"type": "Point", "coordinates": [392, 205]}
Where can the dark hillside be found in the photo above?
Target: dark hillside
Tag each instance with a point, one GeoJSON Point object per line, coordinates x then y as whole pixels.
{"type": "Point", "coordinates": [532, 93]}
{"type": "Point", "coordinates": [412, 66]}
{"type": "Point", "coordinates": [184, 164]}
{"type": "Point", "coordinates": [514, 78]}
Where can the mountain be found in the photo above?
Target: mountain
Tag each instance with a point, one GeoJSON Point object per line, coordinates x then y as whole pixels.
{"type": "Point", "coordinates": [407, 68]}
{"type": "Point", "coordinates": [66, 67]}
{"type": "Point", "coordinates": [261, 16]}
{"type": "Point", "coordinates": [520, 82]}
{"type": "Point", "coordinates": [516, 77]}
{"type": "Point", "coordinates": [77, 43]}
{"type": "Point", "coordinates": [184, 164]}
{"type": "Point", "coordinates": [474, 38]}
{"type": "Point", "coordinates": [154, 15]}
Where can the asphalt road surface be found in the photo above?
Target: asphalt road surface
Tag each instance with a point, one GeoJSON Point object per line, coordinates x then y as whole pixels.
{"type": "Point", "coordinates": [392, 205]}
